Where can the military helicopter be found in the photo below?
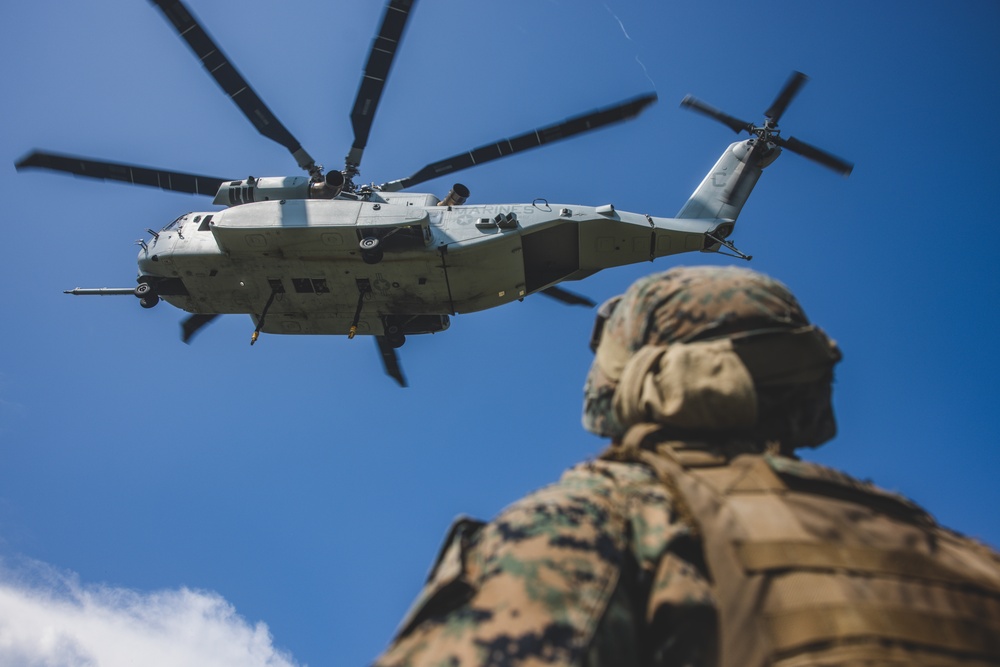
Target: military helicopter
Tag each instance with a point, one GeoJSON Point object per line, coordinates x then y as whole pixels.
{"type": "Point", "coordinates": [325, 254]}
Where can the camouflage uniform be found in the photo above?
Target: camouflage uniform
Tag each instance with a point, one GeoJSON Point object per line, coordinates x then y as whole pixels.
{"type": "Point", "coordinates": [571, 562]}
{"type": "Point", "coordinates": [706, 380]}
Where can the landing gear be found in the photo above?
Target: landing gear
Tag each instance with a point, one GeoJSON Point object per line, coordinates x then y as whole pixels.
{"type": "Point", "coordinates": [263, 314]}
{"type": "Point", "coordinates": [364, 289]}
{"type": "Point", "coordinates": [394, 336]}
{"type": "Point", "coordinates": [147, 295]}
{"type": "Point", "coordinates": [371, 251]}
{"type": "Point", "coordinates": [709, 236]}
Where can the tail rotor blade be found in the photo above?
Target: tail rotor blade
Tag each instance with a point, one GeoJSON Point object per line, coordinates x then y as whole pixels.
{"type": "Point", "coordinates": [543, 135]}
{"type": "Point", "coordinates": [768, 135]}
{"type": "Point", "coordinates": [735, 124]}
{"type": "Point", "coordinates": [231, 81]}
{"type": "Point", "coordinates": [194, 324]}
{"type": "Point", "coordinates": [816, 154]}
{"type": "Point", "coordinates": [787, 94]}
{"type": "Point", "coordinates": [127, 173]}
{"type": "Point", "coordinates": [376, 72]}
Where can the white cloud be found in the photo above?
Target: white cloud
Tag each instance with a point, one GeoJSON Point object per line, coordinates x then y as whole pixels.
{"type": "Point", "coordinates": [49, 618]}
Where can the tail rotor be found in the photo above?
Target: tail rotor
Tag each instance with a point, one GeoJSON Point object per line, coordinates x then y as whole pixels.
{"type": "Point", "coordinates": [766, 137]}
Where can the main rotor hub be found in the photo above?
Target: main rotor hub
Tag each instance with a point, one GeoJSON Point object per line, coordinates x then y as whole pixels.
{"type": "Point", "coordinates": [767, 130]}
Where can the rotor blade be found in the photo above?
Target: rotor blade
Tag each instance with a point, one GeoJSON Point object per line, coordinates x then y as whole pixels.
{"type": "Point", "coordinates": [193, 324]}
{"type": "Point", "coordinates": [734, 124]}
{"type": "Point", "coordinates": [231, 81]}
{"type": "Point", "coordinates": [787, 94]}
{"type": "Point", "coordinates": [127, 173]}
{"type": "Point", "coordinates": [544, 135]}
{"type": "Point", "coordinates": [567, 297]}
{"type": "Point", "coordinates": [816, 154]}
{"type": "Point", "coordinates": [376, 72]}
{"type": "Point", "coordinates": [390, 360]}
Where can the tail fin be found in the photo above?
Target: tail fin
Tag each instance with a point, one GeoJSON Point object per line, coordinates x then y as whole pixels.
{"type": "Point", "coordinates": [727, 186]}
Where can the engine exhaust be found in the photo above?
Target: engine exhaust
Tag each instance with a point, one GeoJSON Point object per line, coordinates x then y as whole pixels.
{"type": "Point", "coordinates": [457, 196]}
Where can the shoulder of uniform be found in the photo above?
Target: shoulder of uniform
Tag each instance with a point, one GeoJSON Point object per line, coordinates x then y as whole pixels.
{"type": "Point", "coordinates": [618, 473]}
{"type": "Point", "coordinates": [814, 476]}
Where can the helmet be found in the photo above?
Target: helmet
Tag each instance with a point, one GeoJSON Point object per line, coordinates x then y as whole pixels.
{"type": "Point", "coordinates": [714, 352]}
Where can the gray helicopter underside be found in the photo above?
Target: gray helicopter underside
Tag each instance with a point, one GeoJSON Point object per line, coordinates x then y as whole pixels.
{"type": "Point", "coordinates": [326, 255]}
{"type": "Point", "coordinates": [436, 261]}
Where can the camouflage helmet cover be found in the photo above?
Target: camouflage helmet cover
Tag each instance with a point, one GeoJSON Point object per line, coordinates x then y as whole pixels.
{"type": "Point", "coordinates": [689, 305]}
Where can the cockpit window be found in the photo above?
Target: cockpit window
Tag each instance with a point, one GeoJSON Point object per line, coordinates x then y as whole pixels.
{"type": "Point", "coordinates": [174, 225]}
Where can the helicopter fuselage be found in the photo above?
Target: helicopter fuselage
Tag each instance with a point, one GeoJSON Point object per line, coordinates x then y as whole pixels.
{"type": "Point", "coordinates": [432, 261]}
{"type": "Point", "coordinates": [324, 255]}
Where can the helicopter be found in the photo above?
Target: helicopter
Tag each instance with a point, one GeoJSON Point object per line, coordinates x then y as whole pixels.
{"type": "Point", "coordinates": [326, 254]}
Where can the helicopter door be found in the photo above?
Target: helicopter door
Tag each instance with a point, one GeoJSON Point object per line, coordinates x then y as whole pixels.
{"type": "Point", "coordinates": [550, 255]}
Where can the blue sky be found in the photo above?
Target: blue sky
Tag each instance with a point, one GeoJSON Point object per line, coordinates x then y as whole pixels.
{"type": "Point", "coordinates": [287, 500]}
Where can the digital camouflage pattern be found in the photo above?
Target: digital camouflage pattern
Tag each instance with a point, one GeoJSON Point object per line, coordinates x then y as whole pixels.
{"type": "Point", "coordinates": [623, 562]}
{"type": "Point", "coordinates": [596, 569]}
{"type": "Point", "coordinates": [618, 565]}
{"type": "Point", "coordinates": [686, 305]}
{"type": "Point", "coordinates": [603, 567]}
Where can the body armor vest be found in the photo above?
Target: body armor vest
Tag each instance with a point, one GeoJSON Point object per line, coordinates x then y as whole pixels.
{"type": "Point", "coordinates": [812, 567]}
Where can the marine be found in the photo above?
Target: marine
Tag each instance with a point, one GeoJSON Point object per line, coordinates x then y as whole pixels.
{"type": "Point", "coordinates": [699, 537]}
